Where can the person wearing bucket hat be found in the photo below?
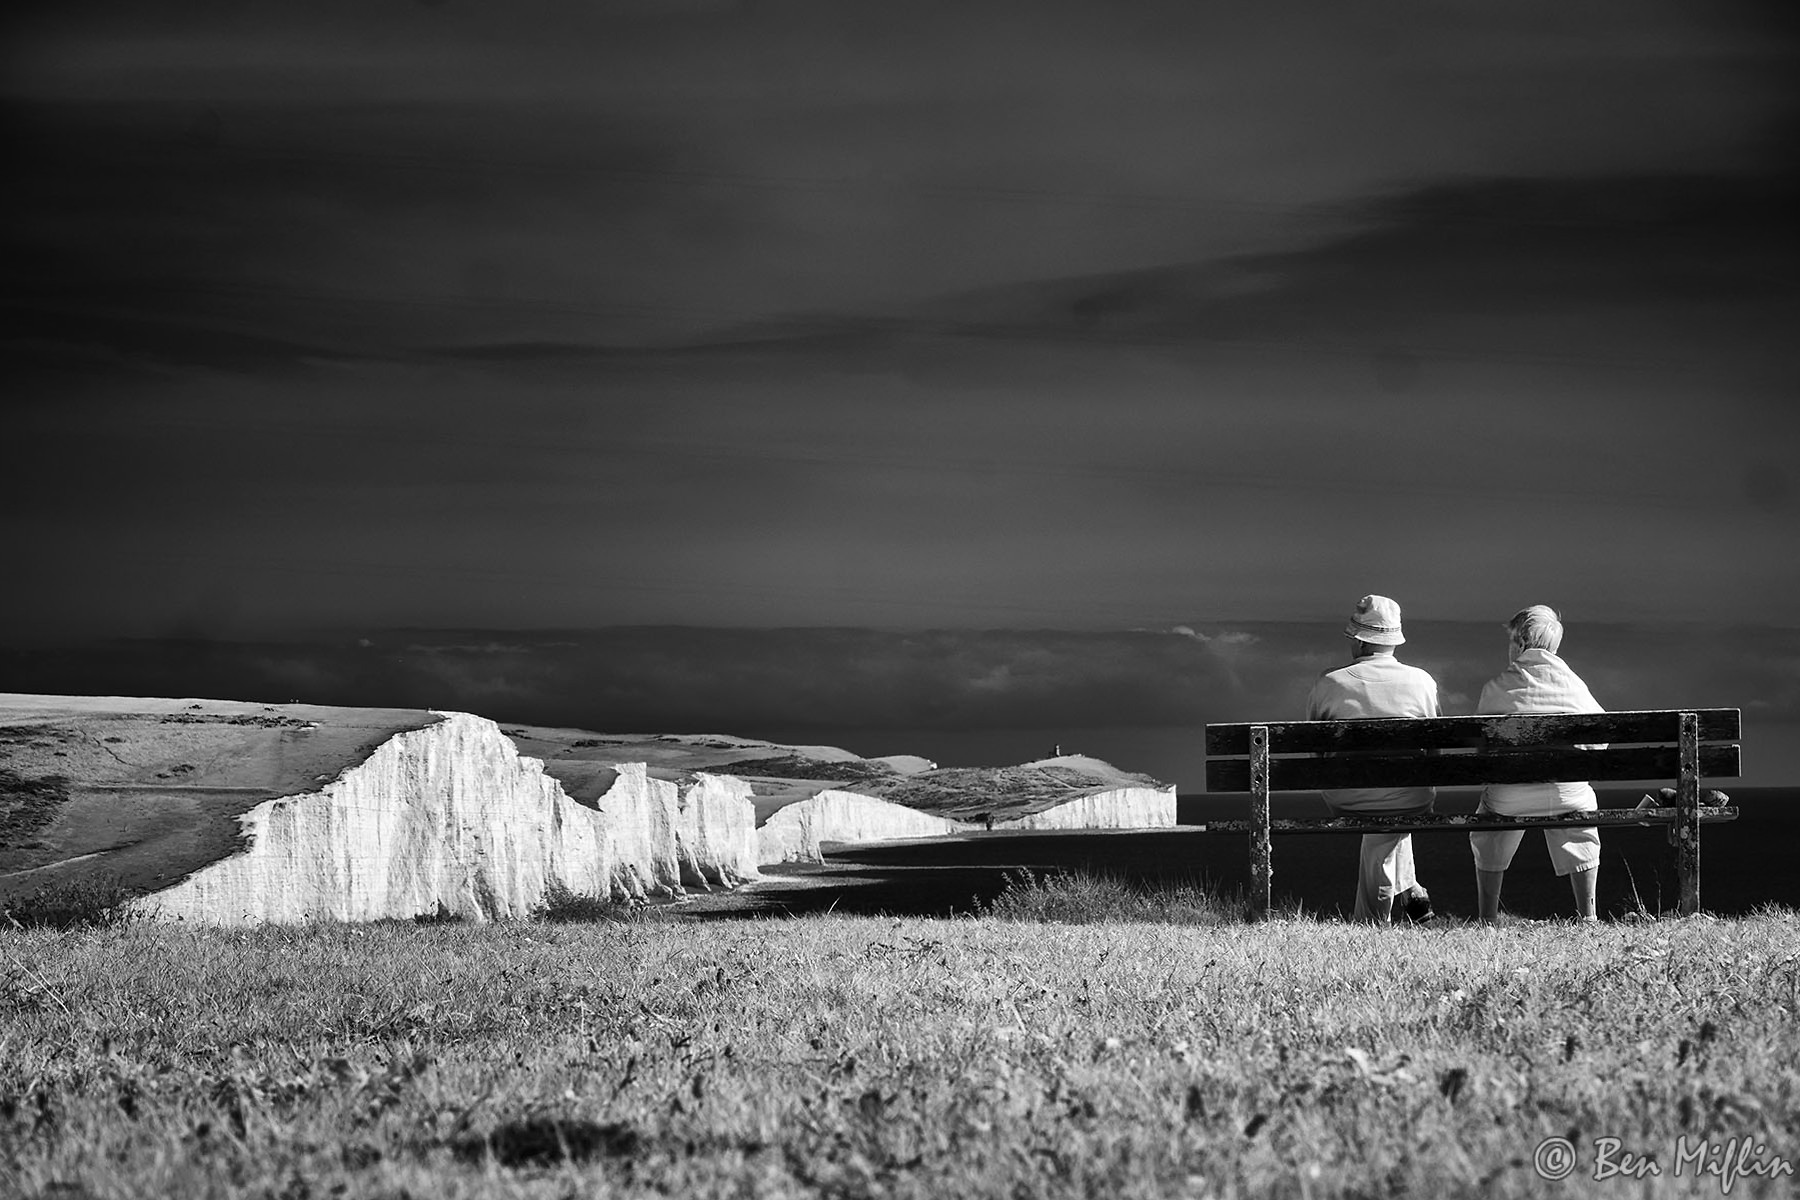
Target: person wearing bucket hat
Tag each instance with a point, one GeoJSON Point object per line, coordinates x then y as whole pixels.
{"type": "Point", "coordinates": [1377, 684]}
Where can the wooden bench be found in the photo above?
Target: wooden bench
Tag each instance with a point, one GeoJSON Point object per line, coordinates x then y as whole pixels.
{"type": "Point", "coordinates": [1301, 756]}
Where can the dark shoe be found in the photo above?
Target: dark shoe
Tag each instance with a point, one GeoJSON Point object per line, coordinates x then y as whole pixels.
{"type": "Point", "coordinates": [1415, 905]}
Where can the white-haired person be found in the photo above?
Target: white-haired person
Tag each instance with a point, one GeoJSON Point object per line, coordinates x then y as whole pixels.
{"type": "Point", "coordinates": [1536, 681]}
{"type": "Point", "coordinates": [1377, 684]}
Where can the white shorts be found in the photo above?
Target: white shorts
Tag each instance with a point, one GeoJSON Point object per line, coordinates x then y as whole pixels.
{"type": "Point", "coordinates": [1571, 850]}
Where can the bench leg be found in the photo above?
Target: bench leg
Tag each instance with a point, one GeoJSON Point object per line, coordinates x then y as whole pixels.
{"type": "Point", "coordinates": [1261, 869]}
{"type": "Point", "coordinates": [1686, 830]}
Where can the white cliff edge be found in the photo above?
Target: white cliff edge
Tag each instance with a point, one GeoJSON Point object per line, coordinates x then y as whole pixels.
{"type": "Point", "coordinates": [450, 818]}
{"type": "Point", "coordinates": [795, 833]}
{"type": "Point", "coordinates": [715, 832]}
{"type": "Point", "coordinates": [1117, 808]}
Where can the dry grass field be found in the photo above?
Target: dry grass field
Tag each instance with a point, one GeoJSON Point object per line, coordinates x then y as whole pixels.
{"type": "Point", "coordinates": [1076, 1039]}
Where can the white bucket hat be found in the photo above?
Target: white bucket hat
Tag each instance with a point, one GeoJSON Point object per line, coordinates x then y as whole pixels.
{"type": "Point", "coordinates": [1376, 621]}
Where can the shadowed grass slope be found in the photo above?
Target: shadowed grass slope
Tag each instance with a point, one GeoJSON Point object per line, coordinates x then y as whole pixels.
{"type": "Point", "coordinates": [878, 1057]}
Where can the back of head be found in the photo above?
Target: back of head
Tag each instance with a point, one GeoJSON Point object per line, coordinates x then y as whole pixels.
{"type": "Point", "coordinates": [1536, 628]}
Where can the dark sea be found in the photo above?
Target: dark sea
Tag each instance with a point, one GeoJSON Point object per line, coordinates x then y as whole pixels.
{"type": "Point", "coordinates": [1744, 864]}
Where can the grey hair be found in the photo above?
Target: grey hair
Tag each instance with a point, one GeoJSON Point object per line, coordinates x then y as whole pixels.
{"type": "Point", "coordinates": [1536, 628]}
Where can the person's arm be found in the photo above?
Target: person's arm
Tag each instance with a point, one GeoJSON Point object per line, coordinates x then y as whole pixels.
{"type": "Point", "coordinates": [1590, 705]}
{"type": "Point", "coordinates": [1317, 708]}
{"type": "Point", "coordinates": [1434, 708]}
{"type": "Point", "coordinates": [1493, 699]}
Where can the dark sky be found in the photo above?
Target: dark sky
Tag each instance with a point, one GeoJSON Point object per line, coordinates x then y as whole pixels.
{"type": "Point", "coordinates": [1087, 316]}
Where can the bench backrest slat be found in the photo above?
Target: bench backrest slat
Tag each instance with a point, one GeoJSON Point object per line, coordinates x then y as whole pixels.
{"type": "Point", "coordinates": [1446, 733]}
{"type": "Point", "coordinates": [1534, 765]}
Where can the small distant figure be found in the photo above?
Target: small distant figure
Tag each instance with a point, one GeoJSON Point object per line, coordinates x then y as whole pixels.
{"type": "Point", "coordinates": [1537, 681]}
{"type": "Point", "coordinates": [989, 822]}
{"type": "Point", "coordinates": [1056, 750]}
{"type": "Point", "coordinates": [1376, 684]}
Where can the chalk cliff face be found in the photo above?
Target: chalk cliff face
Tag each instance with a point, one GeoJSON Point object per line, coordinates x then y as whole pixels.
{"type": "Point", "coordinates": [639, 814]}
{"type": "Point", "coordinates": [794, 833]}
{"type": "Point", "coordinates": [303, 812]}
{"type": "Point", "coordinates": [447, 816]}
{"type": "Point", "coordinates": [1117, 808]}
{"type": "Point", "coordinates": [715, 832]}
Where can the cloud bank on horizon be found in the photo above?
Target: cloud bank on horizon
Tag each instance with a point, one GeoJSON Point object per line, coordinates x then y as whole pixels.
{"type": "Point", "coordinates": [1088, 315]}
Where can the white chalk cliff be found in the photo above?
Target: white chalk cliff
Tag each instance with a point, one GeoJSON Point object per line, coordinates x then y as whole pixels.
{"type": "Point", "coordinates": [715, 832]}
{"type": "Point", "coordinates": [451, 818]}
{"type": "Point", "coordinates": [794, 833]}
{"type": "Point", "coordinates": [445, 815]}
{"type": "Point", "coordinates": [639, 813]}
{"type": "Point", "coordinates": [1115, 808]}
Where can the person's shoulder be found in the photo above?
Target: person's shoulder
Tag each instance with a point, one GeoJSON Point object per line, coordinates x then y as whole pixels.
{"type": "Point", "coordinates": [1415, 672]}
{"type": "Point", "coordinates": [1493, 701]}
{"type": "Point", "coordinates": [1570, 672]}
{"type": "Point", "coordinates": [1335, 676]}
{"type": "Point", "coordinates": [1584, 695]}
{"type": "Point", "coordinates": [1331, 685]}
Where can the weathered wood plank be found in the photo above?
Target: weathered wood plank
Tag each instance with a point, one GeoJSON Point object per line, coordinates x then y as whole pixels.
{"type": "Point", "coordinates": [1431, 822]}
{"type": "Point", "coordinates": [1687, 829]}
{"type": "Point", "coordinates": [1444, 733]}
{"type": "Point", "coordinates": [1262, 871]}
{"type": "Point", "coordinates": [1306, 774]}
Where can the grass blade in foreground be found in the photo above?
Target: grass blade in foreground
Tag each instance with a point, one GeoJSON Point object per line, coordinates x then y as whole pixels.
{"type": "Point", "coordinates": [875, 1057]}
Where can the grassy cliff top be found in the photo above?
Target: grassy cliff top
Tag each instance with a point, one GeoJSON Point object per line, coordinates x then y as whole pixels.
{"type": "Point", "coordinates": [972, 793]}
{"type": "Point", "coordinates": [781, 775]}
{"type": "Point", "coordinates": [151, 789]}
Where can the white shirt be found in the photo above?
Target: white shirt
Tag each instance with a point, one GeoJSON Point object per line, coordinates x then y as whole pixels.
{"type": "Point", "coordinates": [1537, 682]}
{"type": "Point", "coordinates": [1376, 685]}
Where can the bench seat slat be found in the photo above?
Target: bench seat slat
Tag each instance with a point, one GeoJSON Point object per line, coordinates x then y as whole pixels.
{"type": "Point", "coordinates": [1309, 774]}
{"type": "Point", "coordinates": [1444, 733]}
{"type": "Point", "coordinates": [1429, 822]}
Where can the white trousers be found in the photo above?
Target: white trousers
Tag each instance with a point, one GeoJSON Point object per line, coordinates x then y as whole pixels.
{"type": "Point", "coordinates": [1383, 872]}
{"type": "Point", "coordinates": [1386, 866]}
